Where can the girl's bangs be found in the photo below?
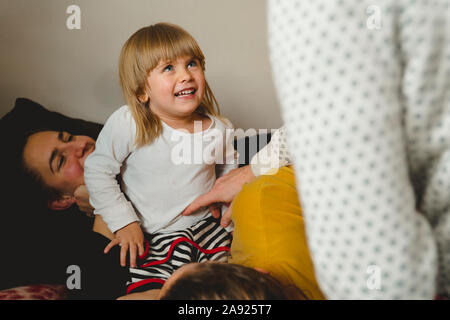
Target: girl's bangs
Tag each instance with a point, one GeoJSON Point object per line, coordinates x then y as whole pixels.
{"type": "Point", "coordinates": [169, 46]}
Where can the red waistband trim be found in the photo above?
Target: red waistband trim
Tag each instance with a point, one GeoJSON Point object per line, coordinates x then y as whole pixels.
{"type": "Point", "coordinates": [184, 239]}
{"type": "Point", "coordinates": [135, 285]}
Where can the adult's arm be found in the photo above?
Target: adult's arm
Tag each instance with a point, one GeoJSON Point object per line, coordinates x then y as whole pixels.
{"type": "Point", "coordinates": [273, 156]}
{"type": "Point", "coordinates": [362, 99]}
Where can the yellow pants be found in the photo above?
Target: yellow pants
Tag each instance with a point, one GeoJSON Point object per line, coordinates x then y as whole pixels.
{"type": "Point", "coordinates": [270, 234]}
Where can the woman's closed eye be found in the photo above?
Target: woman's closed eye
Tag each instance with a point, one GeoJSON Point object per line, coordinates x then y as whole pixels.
{"type": "Point", "coordinates": [61, 161]}
{"type": "Point", "coordinates": [69, 138]}
{"type": "Point", "coordinates": [66, 138]}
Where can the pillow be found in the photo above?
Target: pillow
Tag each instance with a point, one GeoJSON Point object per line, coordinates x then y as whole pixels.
{"type": "Point", "coordinates": [35, 240]}
{"type": "Point", "coordinates": [28, 115]}
{"type": "Point", "coordinates": [269, 231]}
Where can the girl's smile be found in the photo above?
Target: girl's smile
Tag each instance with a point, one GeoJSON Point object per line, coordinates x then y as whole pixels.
{"type": "Point", "coordinates": [186, 93]}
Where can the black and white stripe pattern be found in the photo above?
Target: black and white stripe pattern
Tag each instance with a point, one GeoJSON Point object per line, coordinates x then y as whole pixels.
{"type": "Point", "coordinates": [166, 252]}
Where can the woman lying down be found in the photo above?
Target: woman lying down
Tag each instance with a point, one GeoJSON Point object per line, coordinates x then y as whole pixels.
{"type": "Point", "coordinates": [268, 257]}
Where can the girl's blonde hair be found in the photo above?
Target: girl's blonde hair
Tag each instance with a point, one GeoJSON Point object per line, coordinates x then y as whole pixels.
{"type": "Point", "coordinates": [140, 54]}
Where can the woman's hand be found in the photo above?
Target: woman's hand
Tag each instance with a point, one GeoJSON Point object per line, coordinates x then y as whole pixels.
{"type": "Point", "coordinates": [82, 199]}
{"type": "Point", "coordinates": [223, 191]}
{"type": "Point", "coordinates": [129, 237]}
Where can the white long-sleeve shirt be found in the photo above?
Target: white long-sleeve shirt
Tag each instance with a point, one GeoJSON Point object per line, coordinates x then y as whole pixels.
{"type": "Point", "coordinates": [364, 88]}
{"type": "Point", "coordinates": [158, 180]}
{"type": "Point", "coordinates": [273, 156]}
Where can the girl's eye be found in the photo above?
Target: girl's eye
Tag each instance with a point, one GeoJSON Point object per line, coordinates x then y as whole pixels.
{"type": "Point", "coordinates": [168, 68]}
{"type": "Point", "coordinates": [193, 63]}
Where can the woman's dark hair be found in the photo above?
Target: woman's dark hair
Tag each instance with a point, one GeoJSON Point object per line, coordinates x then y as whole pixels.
{"type": "Point", "coordinates": [41, 192]}
{"type": "Point", "coordinates": [223, 281]}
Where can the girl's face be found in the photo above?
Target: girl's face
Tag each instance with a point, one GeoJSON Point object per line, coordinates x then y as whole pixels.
{"type": "Point", "coordinates": [176, 88]}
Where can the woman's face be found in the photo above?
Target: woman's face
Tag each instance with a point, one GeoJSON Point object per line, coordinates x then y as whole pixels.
{"type": "Point", "coordinates": [59, 158]}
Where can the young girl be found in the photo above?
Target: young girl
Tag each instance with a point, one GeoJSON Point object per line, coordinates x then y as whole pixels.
{"type": "Point", "coordinates": [161, 71]}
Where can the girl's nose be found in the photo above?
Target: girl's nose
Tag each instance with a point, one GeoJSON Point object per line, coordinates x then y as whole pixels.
{"type": "Point", "coordinates": [185, 75]}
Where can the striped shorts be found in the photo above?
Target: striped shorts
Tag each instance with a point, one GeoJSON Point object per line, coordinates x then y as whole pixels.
{"type": "Point", "coordinates": [166, 252]}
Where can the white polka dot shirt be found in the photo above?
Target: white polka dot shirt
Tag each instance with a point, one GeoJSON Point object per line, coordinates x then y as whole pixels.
{"type": "Point", "coordinates": [364, 88]}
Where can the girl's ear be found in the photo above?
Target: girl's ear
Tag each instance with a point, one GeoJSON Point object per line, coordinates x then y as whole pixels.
{"type": "Point", "coordinates": [142, 94]}
{"type": "Point", "coordinates": [143, 98]}
{"type": "Point", "coordinates": [62, 203]}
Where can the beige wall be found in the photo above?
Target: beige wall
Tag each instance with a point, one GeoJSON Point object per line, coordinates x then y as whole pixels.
{"type": "Point", "coordinates": [75, 71]}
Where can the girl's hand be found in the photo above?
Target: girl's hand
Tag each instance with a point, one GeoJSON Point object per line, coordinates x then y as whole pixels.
{"type": "Point", "coordinates": [129, 237]}
{"type": "Point", "coordinates": [82, 199]}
